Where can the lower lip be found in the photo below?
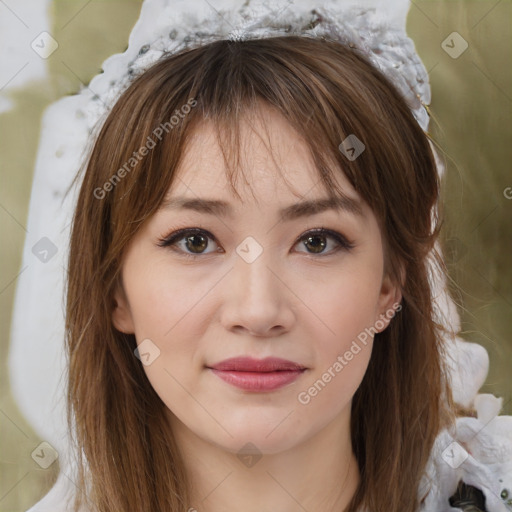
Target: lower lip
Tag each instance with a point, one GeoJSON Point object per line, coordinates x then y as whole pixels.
{"type": "Point", "coordinates": [258, 381]}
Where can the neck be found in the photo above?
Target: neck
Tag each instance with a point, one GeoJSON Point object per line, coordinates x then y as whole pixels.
{"type": "Point", "coordinates": [319, 474]}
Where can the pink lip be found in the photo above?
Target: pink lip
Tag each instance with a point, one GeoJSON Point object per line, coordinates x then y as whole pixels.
{"type": "Point", "coordinates": [258, 374]}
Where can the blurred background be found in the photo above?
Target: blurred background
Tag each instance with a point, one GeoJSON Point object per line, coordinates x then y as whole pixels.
{"type": "Point", "coordinates": [471, 121]}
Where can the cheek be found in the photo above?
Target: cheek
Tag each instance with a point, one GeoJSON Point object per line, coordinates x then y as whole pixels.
{"type": "Point", "coordinates": [345, 304]}
{"type": "Point", "coordinates": [343, 351]}
{"type": "Point", "coordinates": [343, 347]}
{"type": "Point", "coordinates": [164, 301]}
{"type": "Point", "coordinates": [169, 308]}
{"type": "Point", "coordinates": [165, 309]}
{"type": "Point", "coordinates": [342, 325]}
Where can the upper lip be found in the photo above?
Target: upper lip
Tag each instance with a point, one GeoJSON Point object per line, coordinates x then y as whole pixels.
{"type": "Point", "coordinates": [249, 364]}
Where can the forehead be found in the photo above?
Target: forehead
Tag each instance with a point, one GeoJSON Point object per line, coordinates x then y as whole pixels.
{"type": "Point", "coordinates": [275, 163]}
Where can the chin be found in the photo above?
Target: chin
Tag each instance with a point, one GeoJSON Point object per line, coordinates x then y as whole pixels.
{"type": "Point", "coordinates": [249, 443]}
{"type": "Point", "coordinates": [272, 435]}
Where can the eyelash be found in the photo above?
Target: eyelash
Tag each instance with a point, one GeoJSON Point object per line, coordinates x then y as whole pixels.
{"type": "Point", "coordinates": [169, 240]}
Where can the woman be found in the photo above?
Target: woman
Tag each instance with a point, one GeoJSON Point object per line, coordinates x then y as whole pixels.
{"type": "Point", "coordinates": [329, 275]}
{"type": "Point", "coordinates": [250, 313]}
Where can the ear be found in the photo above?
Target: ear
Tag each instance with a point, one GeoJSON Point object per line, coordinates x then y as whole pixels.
{"type": "Point", "coordinates": [121, 314]}
{"type": "Point", "coordinates": [389, 302]}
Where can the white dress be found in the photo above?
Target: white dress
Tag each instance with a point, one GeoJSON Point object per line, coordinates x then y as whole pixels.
{"type": "Point", "coordinates": [481, 457]}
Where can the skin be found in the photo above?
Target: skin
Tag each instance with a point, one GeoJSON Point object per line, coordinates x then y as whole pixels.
{"type": "Point", "coordinates": [290, 302]}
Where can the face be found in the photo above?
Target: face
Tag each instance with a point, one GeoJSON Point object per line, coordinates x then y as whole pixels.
{"type": "Point", "coordinates": [255, 279]}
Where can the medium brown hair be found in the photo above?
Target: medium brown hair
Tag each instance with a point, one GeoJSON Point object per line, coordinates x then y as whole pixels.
{"type": "Point", "coordinates": [128, 458]}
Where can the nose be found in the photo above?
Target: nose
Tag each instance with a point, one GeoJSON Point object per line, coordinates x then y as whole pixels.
{"type": "Point", "coordinates": [256, 298]}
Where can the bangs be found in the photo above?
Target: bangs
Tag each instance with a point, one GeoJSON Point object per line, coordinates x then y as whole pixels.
{"type": "Point", "coordinates": [227, 127]}
{"type": "Point", "coordinates": [326, 92]}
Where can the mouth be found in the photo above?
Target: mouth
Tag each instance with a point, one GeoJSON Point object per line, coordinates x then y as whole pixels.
{"type": "Point", "coordinates": [258, 374]}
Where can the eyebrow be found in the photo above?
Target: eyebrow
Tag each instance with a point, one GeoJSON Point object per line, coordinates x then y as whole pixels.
{"type": "Point", "coordinates": [294, 211]}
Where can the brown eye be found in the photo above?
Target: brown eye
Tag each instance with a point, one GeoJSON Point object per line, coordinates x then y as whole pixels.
{"type": "Point", "coordinates": [316, 243]}
{"type": "Point", "coordinates": [196, 243]}
{"type": "Point", "coordinates": [190, 242]}
{"type": "Point", "coordinates": [317, 240]}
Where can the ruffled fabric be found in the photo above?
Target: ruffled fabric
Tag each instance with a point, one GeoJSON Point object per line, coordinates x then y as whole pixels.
{"type": "Point", "coordinates": [365, 28]}
{"type": "Point", "coordinates": [477, 452]}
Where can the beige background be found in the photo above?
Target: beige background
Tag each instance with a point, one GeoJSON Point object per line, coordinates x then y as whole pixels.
{"type": "Point", "coordinates": [471, 120]}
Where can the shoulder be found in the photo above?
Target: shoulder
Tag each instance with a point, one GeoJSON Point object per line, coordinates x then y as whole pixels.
{"type": "Point", "coordinates": [58, 499]}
